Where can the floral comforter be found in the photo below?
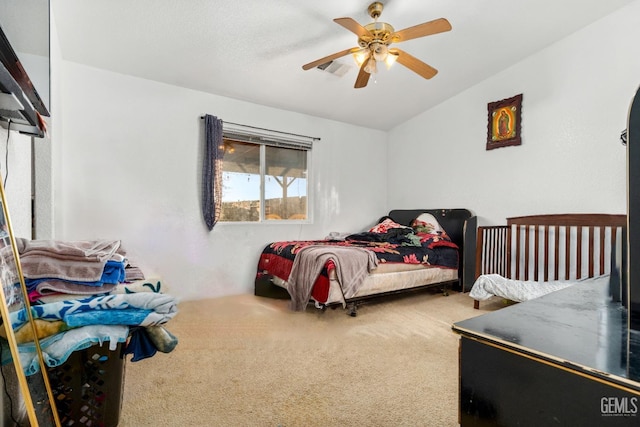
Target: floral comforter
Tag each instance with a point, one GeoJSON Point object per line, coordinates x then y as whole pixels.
{"type": "Point", "coordinates": [394, 245]}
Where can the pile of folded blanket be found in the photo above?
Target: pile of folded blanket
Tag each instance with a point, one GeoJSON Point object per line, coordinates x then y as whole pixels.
{"type": "Point", "coordinates": [83, 293]}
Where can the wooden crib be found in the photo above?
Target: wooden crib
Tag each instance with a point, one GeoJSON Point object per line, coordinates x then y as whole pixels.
{"type": "Point", "coordinates": [550, 247]}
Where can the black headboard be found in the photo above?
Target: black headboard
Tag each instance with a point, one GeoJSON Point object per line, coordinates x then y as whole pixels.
{"type": "Point", "coordinates": [460, 225]}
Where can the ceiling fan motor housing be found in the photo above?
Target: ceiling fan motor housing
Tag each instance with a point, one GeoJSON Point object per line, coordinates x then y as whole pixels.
{"type": "Point", "coordinates": [381, 32]}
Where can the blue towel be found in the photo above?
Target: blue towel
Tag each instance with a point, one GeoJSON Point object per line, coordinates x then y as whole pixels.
{"type": "Point", "coordinates": [160, 308]}
{"type": "Point", "coordinates": [140, 345]}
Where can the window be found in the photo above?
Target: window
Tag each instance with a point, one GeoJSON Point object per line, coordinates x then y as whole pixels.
{"type": "Point", "coordinates": [263, 178]}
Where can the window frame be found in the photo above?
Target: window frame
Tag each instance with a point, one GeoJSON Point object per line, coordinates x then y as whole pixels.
{"type": "Point", "coordinates": [264, 138]}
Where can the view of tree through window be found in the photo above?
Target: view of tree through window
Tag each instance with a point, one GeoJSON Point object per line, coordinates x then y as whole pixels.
{"type": "Point", "coordinates": [263, 182]}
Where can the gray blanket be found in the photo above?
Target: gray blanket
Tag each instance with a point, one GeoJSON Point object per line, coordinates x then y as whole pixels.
{"type": "Point", "coordinates": [352, 267]}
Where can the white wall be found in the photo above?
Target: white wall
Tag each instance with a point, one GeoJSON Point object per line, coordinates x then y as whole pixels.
{"type": "Point", "coordinates": [576, 95]}
{"type": "Point", "coordinates": [127, 152]}
{"type": "Point", "coordinates": [130, 169]}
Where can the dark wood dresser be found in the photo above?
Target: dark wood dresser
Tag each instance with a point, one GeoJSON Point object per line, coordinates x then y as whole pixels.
{"type": "Point", "coordinates": [565, 359]}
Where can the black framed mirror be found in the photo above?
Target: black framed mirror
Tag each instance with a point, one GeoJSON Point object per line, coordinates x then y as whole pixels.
{"type": "Point", "coordinates": [30, 400]}
{"type": "Point", "coordinates": [27, 398]}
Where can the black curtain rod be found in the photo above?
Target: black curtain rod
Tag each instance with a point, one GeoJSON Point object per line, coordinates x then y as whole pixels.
{"type": "Point", "coordinates": [271, 130]}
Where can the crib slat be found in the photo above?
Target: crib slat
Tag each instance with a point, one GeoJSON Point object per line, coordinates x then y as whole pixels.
{"type": "Point", "coordinates": [591, 251]}
{"type": "Point", "coordinates": [567, 249]}
{"type": "Point", "coordinates": [517, 257]}
{"type": "Point", "coordinates": [614, 236]}
{"type": "Point", "coordinates": [495, 261]}
{"type": "Point", "coordinates": [508, 251]}
{"type": "Point", "coordinates": [480, 248]}
{"type": "Point", "coordinates": [526, 252]}
{"type": "Point", "coordinates": [536, 253]}
{"type": "Point", "coordinates": [556, 246]}
{"type": "Point", "coordinates": [602, 247]}
{"type": "Point", "coordinates": [546, 254]}
{"type": "Point", "coordinates": [579, 253]}
{"type": "Point", "coordinates": [502, 246]}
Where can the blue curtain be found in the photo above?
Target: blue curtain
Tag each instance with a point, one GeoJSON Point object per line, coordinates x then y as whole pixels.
{"type": "Point", "coordinates": [212, 171]}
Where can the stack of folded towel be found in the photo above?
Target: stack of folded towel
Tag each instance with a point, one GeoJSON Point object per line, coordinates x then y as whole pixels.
{"type": "Point", "coordinates": [93, 302]}
{"type": "Point", "coordinates": [72, 267]}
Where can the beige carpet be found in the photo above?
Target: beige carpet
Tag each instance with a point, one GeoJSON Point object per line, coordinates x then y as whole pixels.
{"type": "Point", "coordinates": [248, 361]}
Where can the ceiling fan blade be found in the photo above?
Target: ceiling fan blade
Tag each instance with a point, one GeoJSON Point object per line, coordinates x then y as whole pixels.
{"type": "Point", "coordinates": [326, 59]}
{"type": "Point", "coordinates": [425, 29]}
{"type": "Point", "coordinates": [414, 64]}
{"type": "Point", "coordinates": [351, 25]}
{"type": "Point", "coordinates": [363, 77]}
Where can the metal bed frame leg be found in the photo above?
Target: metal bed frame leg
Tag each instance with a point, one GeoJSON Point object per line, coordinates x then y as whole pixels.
{"type": "Point", "coordinates": [352, 308]}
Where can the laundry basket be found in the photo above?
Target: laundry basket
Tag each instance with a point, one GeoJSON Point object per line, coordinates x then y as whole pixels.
{"type": "Point", "coordinates": [88, 387]}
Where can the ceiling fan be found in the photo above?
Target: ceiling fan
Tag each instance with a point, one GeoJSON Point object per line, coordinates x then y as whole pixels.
{"type": "Point", "coordinates": [373, 45]}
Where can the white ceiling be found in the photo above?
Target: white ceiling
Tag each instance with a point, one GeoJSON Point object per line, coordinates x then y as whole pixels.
{"type": "Point", "coordinates": [254, 50]}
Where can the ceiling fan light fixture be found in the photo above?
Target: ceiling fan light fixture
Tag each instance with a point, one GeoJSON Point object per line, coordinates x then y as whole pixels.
{"type": "Point", "coordinates": [391, 59]}
{"type": "Point", "coordinates": [360, 56]}
{"type": "Point", "coordinates": [379, 51]}
{"type": "Point", "coordinates": [371, 66]}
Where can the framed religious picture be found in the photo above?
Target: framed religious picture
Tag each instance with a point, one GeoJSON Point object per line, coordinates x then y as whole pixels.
{"type": "Point", "coordinates": [504, 123]}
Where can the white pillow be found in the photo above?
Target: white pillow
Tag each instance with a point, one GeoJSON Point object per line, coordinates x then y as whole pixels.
{"type": "Point", "coordinates": [430, 219]}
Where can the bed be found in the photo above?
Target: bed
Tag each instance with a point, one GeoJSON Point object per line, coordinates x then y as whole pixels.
{"type": "Point", "coordinates": [350, 268]}
{"type": "Point", "coordinates": [535, 255]}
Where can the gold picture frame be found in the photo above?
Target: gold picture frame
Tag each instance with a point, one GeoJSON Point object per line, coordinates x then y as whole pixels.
{"type": "Point", "coordinates": [504, 122]}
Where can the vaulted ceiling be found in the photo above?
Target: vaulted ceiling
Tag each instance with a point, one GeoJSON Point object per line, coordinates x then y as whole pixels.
{"type": "Point", "coordinates": [254, 50]}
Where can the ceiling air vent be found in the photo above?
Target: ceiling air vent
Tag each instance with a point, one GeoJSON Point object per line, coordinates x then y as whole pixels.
{"type": "Point", "coordinates": [334, 67]}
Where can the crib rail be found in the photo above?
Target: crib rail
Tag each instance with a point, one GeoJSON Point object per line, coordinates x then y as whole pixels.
{"type": "Point", "coordinates": [549, 247]}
